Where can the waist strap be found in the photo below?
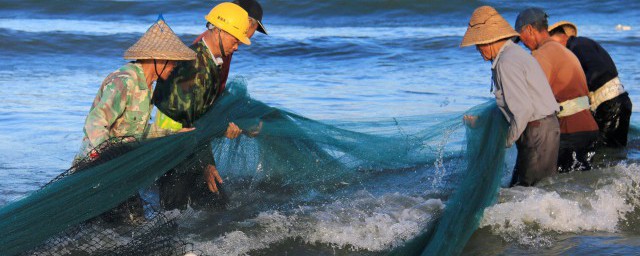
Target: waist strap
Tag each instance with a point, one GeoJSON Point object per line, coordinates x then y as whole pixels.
{"type": "Point", "coordinates": [573, 106]}
{"type": "Point", "coordinates": [608, 91]}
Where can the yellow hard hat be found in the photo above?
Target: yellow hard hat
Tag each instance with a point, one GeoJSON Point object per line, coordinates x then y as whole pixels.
{"type": "Point", "coordinates": [232, 19]}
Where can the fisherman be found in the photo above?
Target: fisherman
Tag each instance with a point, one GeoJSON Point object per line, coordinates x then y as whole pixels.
{"type": "Point", "coordinates": [122, 107]}
{"type": "Point", "coordinates": [610, 103]}
{"type": "Point", "coordinates": [254, 9]}
{"type": "Point", "coordinates": [522, 94]}
{"type": "Point", "coordinates": [228, 24]}
{"type": "Point", "coordinates": [579, 131]}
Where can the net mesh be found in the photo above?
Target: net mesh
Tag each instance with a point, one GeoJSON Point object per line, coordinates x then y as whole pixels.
{"type": "Point", "coordinates": [291, 152]}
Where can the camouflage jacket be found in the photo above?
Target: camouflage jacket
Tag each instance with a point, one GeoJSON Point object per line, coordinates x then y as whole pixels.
{"type": "Point", "coordinates": [122, 107]}
{"type": "Point", "coordinates": [191, 88]}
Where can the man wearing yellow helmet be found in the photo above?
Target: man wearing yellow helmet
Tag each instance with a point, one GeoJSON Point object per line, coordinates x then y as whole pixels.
{"type": "Point", "coordinates": [254, 9]}
{"type": "Point", "coordinates": [181, 105]}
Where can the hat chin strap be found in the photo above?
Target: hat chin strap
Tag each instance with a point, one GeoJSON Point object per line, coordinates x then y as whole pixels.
{"type": "Point", "coordinates": [155, 66]}
{"type": "Point", "coordinates": [224, 56]}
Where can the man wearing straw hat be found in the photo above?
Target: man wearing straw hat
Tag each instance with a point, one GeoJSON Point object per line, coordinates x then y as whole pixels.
{"type": "Point", "coordinates": [579, 131]}
{"type": "Point", "coordinates": [610, 103]}
{"type": "Point", "coordinates": [522, 94]}
{"type": "Point", "coordinates": [123, 106]}
{"type": "Point", "coordinates": [188, 93]}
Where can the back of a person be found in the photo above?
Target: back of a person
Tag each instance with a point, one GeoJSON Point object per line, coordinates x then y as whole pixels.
{"type": "Point", "coordinates": [568, 82]}
{"type": "Point", "coordinates": [596, 62]}
{"type": "Point", "coordinates": [536, 88]}
{"type": "Point", "coordinates": [610, 103]}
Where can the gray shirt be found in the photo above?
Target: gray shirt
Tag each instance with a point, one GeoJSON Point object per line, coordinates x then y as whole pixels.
{"type": "Point", "coordinates": [522, 91]}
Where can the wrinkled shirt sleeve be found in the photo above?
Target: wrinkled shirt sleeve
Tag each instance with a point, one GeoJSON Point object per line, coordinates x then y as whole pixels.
{"type": "Point", "coordinates": [111, 105]}
{"type": "Point", "coordinates": [518, 102]}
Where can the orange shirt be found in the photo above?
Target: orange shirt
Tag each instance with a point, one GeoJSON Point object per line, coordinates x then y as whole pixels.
{"type": "Point", "coordinates": [567, 81]}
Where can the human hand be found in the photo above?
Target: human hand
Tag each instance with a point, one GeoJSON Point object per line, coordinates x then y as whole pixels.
{"type": "Point", "coordinates": [233, 131]}
{"type": "Point", "coordinates": [255, 131]}
{"type": "Point", "coordinates": [186, 129]}
{"type": "Point", "coordinates": [211, 175]}
{"type": "Point", "coordinates": [470, 120]}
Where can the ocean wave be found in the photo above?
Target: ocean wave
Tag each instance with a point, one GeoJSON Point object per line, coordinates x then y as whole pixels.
{"type": "Point", "coordinates": [361, 223]}
{"type": "Point", "coordinates": [87, 27]}
{"type": "Point", "coordinates": [298, 33]}
{"type": "Point", "coordinates": [303, 8]}
{"type": "Point", "coordinates": [277, 32]}
{"type": "Point", "coordinates": [106, 38]}
{"type": "Point", "coordinates": [315, 13]}
{"type": "Point", "coordinates": [600, 200]}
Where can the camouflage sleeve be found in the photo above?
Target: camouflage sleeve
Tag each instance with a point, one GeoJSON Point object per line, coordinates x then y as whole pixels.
{"type": "Point", "coordinates": [111, 105]}
{"type": "Point", "coordinates": [174, 96]}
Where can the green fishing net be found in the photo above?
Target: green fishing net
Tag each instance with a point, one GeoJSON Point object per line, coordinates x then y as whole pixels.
{"type": "Point", "coordinates": [291, 152]}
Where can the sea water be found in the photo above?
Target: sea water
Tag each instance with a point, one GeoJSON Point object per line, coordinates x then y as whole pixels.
{"type": "Point", "coordinates": [327, 60]}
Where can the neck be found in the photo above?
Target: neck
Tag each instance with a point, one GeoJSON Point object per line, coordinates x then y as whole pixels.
{"type": "Point", "coordinates": [541, 37]}
{"type": "Point", "coordinates": [149, 71]}
{"type": "Point", "coordinates": [495, 48]}
{"type": "Point", "coordinates": [212, 42]}
{"type": "Point", "coordinates": [561, 38]}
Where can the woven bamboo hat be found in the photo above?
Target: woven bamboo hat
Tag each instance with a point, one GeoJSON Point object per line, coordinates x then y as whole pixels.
{"type": "Point", "coordinates": [486, 26]}
{"type": "Point", "coordinates": [160, 43]}
{"type": "Point", "coordinates": [569, 28]}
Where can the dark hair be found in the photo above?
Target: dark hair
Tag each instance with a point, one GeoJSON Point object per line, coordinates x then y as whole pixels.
{"type": "Point", "coordinates": [540, 25]}
{"type": "Point", "coordinates": [558, 30]}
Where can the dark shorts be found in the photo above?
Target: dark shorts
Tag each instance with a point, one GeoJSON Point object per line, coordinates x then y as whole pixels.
{"type": "Point", "coordinates": [537, 152]}
{"type": "Point", "coordinates": [613, 117]}
{"type": "Point", "coordinates": [576, 151]}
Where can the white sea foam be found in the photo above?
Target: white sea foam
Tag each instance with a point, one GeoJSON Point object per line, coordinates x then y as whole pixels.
{"type": "Point", "coordinates": [371, 224]}
{"type": "Point", "coordinates": [271, 228]}
{"type": "Point", "coordinates": [361, 223]}
{"type": "Point", "coordinates": [531, 216]}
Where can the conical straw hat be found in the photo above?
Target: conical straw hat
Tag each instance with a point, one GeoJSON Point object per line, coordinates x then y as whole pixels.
{"type": "Point", "coordinates": [160, 43]}
{"type": "Point", "coordinates": [486, 26]}
{"type": "Point", "coordinates": [569, 28]}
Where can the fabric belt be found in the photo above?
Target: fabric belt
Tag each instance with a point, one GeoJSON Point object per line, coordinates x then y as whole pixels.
{"type": "Point", "coordinates": [573, 106]}
{"type": "Point", "coordinates": [608, 91]}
